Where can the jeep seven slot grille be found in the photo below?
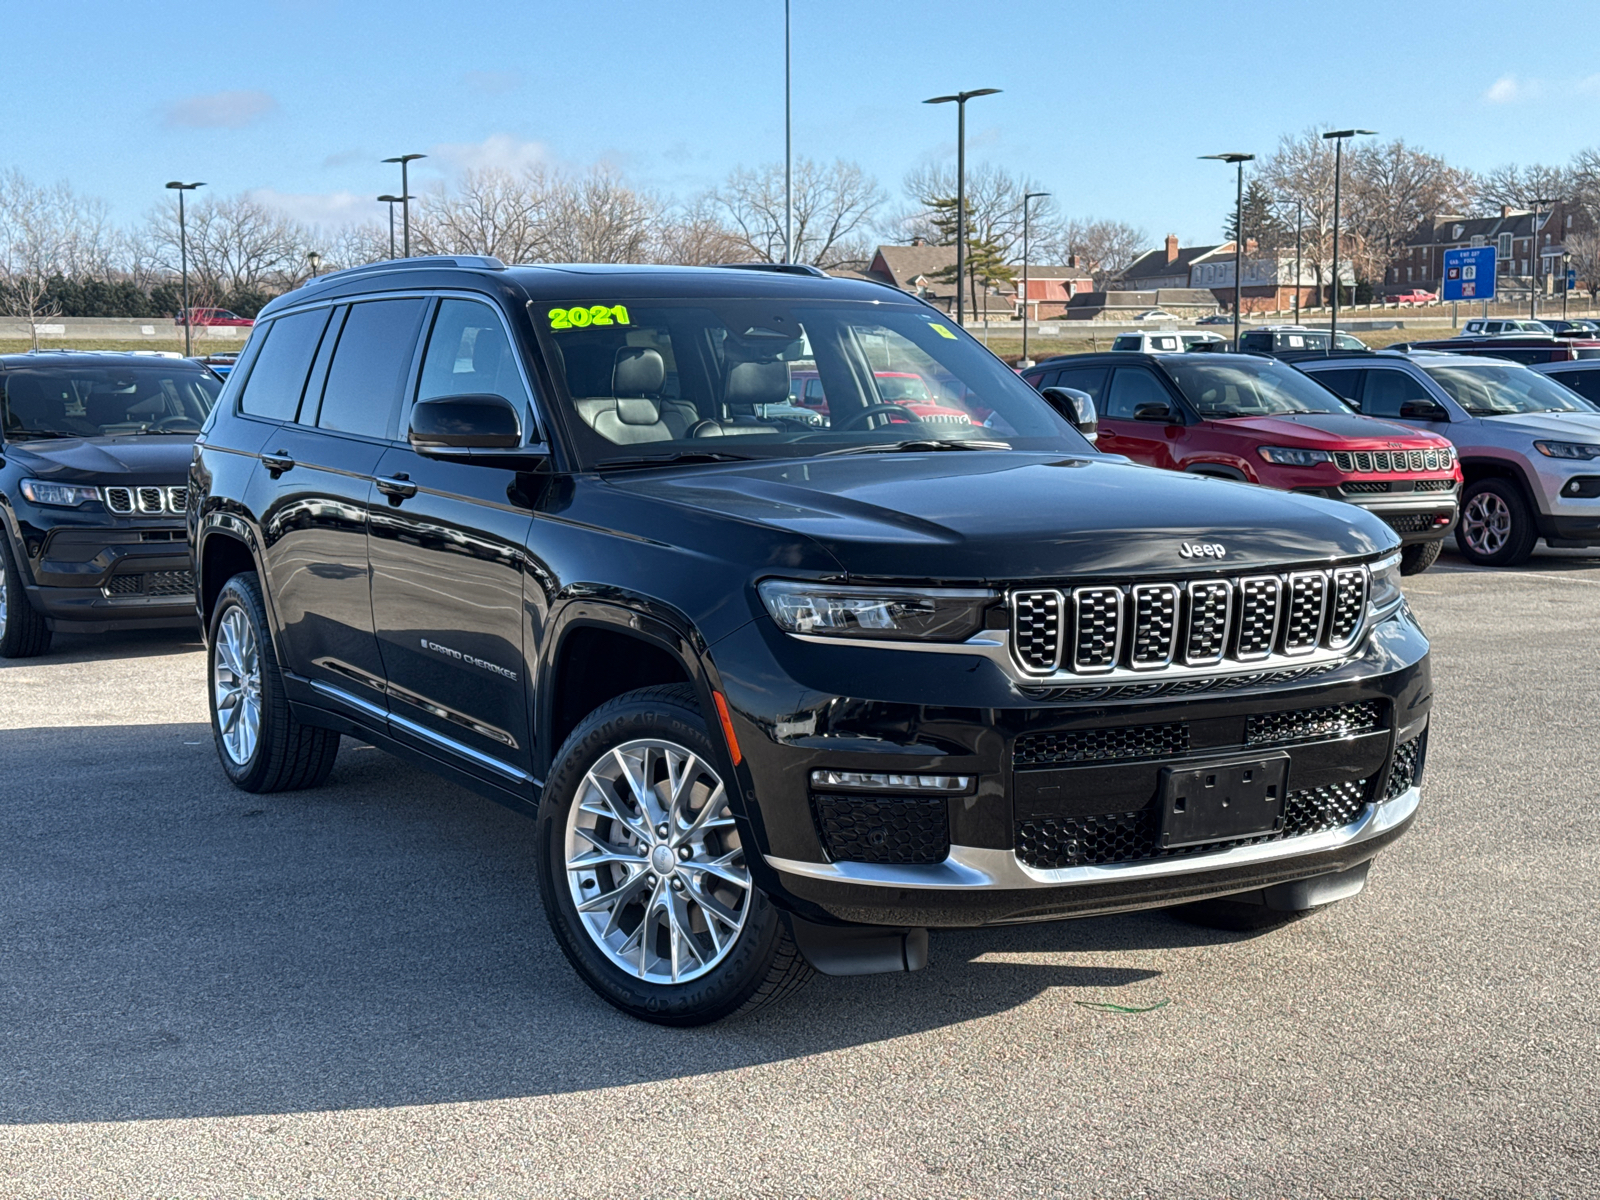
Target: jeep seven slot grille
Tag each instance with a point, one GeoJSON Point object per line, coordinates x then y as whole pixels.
{"type": "Point", "coordinates": [146, 501]}
{"type": "Point", "coordinates": [1147, 627]}
{"type": "Point", "coordinates": [1392, 461]}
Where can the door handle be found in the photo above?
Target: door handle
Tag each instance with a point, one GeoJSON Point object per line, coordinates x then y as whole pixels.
{"type": "Point", "coordinates": [396, 487]}
{"type": "Point", "coordinates": [277, 463]}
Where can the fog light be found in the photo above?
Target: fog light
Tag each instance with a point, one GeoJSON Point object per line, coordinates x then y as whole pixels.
{"type": "Point", "coordinates": [883, 781]}
{"type": "Point", "coordinates": [1441, 521]}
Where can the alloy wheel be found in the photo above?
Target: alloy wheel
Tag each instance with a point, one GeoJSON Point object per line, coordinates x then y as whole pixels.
{"type": "Point", "coordinates": [1486, 523]}
{"type": "Point", "coordinates": [654, 862]}
{"type": "Point", "coordinates": [236, 666]}
{"type": "Point", "coordinates": [3, 611]}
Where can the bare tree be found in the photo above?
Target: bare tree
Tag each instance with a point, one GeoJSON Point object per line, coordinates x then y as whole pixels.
{"type": "Point", "coordinates": [695, 236]}
{"type": "Point", "coordinates": [1390, 190]}
{"type": "Point", "coordinates": [1585, 250]}
{"type": "Point", "coordinates": [994, 199]}
{"type": "Point", "coordinates": [599, 218]}
{"type": "Point", "coordinates": [1518, 187]}
{"type": "Point", "coordinates": [236, 244]}
{"type": "Point", "coordinates": [834, 208]}
{"type": "Point", "coordinates": [490, 211]}
{"type": "Point", "coordinates": [1101, 247]}
{"type": "Point", "coordinates": [1302, 169]}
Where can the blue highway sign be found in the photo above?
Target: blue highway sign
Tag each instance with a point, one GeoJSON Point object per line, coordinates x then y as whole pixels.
{"type": "Point", "coordinates": [1469, 274]}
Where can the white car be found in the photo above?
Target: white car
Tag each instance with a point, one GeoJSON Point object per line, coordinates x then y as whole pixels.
{"type": "Point", "coordinates": [1510, 326]}
{"type": "Point", "coordinates": [1155, 314]}
{"type": "Point", "coordinates": [1168, 341]}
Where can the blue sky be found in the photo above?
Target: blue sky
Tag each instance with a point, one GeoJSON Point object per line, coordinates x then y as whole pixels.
{"type": "Point", "coordinates": [1107, 105]}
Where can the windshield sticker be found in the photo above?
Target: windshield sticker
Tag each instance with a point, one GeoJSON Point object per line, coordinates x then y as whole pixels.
{"type": "Point", "coordinates": [941, 330]}
{"type": "Point", "coordinates": [581, 316]}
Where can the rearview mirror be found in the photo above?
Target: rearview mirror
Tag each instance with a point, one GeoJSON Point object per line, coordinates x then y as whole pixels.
{"type": "Point", "coordinates": [455, 423]}
{"type": "Point", "coordinates": [1422, 410]}
{"type": "Point", "coordinates": [1077, 407]}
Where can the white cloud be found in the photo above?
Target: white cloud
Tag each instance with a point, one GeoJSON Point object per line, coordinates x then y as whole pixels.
{"type": "Point", "coordinates": [1504, 90]}
{"type": "Point", "coordinates": [327, 209]}
{"type": "Point", "coordinates": [221, 110]}
{"type": "Point", "coordinates": [500, 150]}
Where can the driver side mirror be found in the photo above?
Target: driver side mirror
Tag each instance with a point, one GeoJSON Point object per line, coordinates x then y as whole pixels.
{"type": "Point", "coordinates": [1153, 412]}
{"type": "Point", "coordinates": [1422, 410]}
{"type": "Point", "coordinates": [483, 428]}
{"type": "Point", "coordinates": [1077, 407]}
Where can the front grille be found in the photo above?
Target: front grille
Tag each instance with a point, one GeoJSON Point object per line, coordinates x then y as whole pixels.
{"type": "Point", "coordinates": [1036, 621]}
{"type": "Point", "coordinates": [1259, 604]}
{"type": "Point", "coordinates": [1410, 522]}
{"type": "Point", "coordinates": [147, 501]}
{"type": "Point", "coordinates": [883, 829]}
{"type": "Point", "coordinates": [1349, 603]}
{"type": "Point", "coordinates": [169, 583]}
{"type": "Point", "coordinates": [1308, 603]}
{"type": "Point", "coordinates": [1405, 768]}
{"type": "Point", "coordinates": [1097, 620]}
{"type": "Point", "coordinates": [124, 585]}
{"type": "Point", "coordinates": [1313, 724]}
{"type": "Point", "coordinates": [1155, 624]}
{"type": "Point", "coordinates": [1101, 745]}
{"type": "Point", "coordinates": [1398, 461]}
{"type": "Point", "coordinates": [1434, 485]}
{"type": "Point", "coordinates": [1050, 843]}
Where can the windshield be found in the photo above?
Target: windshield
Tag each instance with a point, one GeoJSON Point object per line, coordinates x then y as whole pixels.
{"type": "Point", "coordinates": [1256, 389]}
{"type": "Point", "coordinates": [1499, 389]}
{"type": "Point", "coordinates": [89, 400]}
{"type": "Point", "coordinates": [774, 378]}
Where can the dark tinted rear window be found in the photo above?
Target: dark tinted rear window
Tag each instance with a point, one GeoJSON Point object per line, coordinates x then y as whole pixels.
{"type": "Point", "coordinates": [1342, 382]}
{"type": "Point", "coordinates": [1085, 379]}
{"type": "Point", "coordinates": [279, 375]}
{"type": "Point", "coordinates": [370, 366]}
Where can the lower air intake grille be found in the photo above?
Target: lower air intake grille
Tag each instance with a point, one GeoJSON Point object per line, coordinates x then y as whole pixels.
{"type": "Point", "coordinates": [124, 585]}
{"type": "Point", "coordinates": [1101, 745]}
{"type": "Point", "coordinates": [169, 583]}
{"type": "Point", "coordinates": [1434, 485]}
{"type": "Point", "coordinates": [1405, 769]}
{"type": "Point", "coordinates": [883, 829]}
{"type": "Point", "coordinates": [1410, 522]}
{"type": "Point", "coordinates": [1313, 724]}
{"type": "Point", "coordinates": [1050, 844]}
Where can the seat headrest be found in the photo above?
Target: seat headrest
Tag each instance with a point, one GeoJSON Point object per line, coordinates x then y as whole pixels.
{"type": "Point", "coordinates": [105, 408]}
{"type": "Point", "coordinates": [637, 371]}
{"type": "Point", "coordinates": [752, 383]}
{"type": "Point", "coordinates": [638, 410]}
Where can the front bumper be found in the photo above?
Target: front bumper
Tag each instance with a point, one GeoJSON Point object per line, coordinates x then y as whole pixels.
{"type": "Point", "coordinates": [94, 579]}
{"type": "Point", "coordinates": [1415, 516]}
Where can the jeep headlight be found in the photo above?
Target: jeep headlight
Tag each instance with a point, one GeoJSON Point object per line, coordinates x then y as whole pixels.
{"type": "Point", "coordinates": [1294, 456]}
{"type": "Point", "coordinates": [59, 495]}
{"type": "Point", "coordinates": [1568, 449]}
{"type": "Point", "coordinates": [845, 611]}
{"type": "Point", "coordinates": [1385, 594]}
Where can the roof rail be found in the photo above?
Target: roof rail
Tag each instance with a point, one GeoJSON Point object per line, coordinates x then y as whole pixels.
{"type": "Point", "coordinates": [482, 262]}
{"type": "Point", "coordinates": [776, 268]}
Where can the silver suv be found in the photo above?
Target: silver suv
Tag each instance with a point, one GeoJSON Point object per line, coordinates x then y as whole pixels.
{"type": "Point", "coordinates": [1529, 447]}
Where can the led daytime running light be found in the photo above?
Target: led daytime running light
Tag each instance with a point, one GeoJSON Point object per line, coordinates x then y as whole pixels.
{"type": "Point", "coordinates": [883, 781]}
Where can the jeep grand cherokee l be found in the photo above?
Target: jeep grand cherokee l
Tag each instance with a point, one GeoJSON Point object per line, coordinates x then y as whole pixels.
{"type": "Point", "coordinates": [1251, 418]}
{"type": "Point", "coordinates": [781, 696]}
{"type": "Point", "coordinates": [94, 454]}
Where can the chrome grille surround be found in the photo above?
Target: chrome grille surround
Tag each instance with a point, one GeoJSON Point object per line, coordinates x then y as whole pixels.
{"type": "Point", "coordinates": [118, 499]}
{"type": "Point", "coordinates": [151, 500]}
{"type": "Point", "coordinates": [1210, 621]}
{"type": "Point", "coordinates": [146, 501]}
{"type": "Point", "coordinates": [1097, 629]}
{"type": "Point", "coordinates": [1260, 610]}
{"type": "Point", "coordinates": [1381, 461]}
{"type": "Point", "coordinates": [1308, 605]}
{"type": "Point", "coordinates": [1155, 625]}
{"type": "Point", "coordinates": [1036, 625]}
{"type": "Point", "coordinates": [1348, 603]}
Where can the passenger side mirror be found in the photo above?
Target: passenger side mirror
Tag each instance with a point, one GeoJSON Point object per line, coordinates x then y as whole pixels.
{"type": "Point", "coordinates": [1422, 410]}
{"type": "Point", "coordinates": [1153, 412]}
{"type": "Point", "coordinates": [1077, 407]}
{"type": "Point", "coordinates": [453, 423]}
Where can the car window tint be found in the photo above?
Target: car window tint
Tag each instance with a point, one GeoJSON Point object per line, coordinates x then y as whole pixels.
{"type": "Point", "coordinates": [1127, 341]}
{"type": "Point", "coordinates": [1131, 387]}
{"type": "Point", "coordinates": [469, 355]}
{"type": "Point", "coordinates": [1344, 383]}
{"type": "Point", "coordinates": [1585, 383]}
{"type": "Point", "coordinates": [1387, 390]}
{"type": "Point", "coordinates": [1043, 379]}
{"type": "Point", "coordinates": [369, 366]}
{"type": "Point", "coordinates": [1086, 379]}
{"type": "Point", "coordinates": [279, 375]}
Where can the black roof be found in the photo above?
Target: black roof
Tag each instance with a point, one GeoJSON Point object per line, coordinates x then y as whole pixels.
{"type": "Point", "coordinates": [103, 358]}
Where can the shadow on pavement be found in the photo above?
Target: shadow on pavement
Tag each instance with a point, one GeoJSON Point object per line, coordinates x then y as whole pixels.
{"type": "Point", "coordinates": [172, 947]}
{"type": "Point", "coordinates": [104, 647]}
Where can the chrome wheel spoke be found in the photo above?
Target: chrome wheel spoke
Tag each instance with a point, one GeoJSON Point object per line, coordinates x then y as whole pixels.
{"type": "Point", "coordinates": [236, 669]}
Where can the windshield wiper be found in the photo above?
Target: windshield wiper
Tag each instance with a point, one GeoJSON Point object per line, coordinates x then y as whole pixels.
{"type": "Point", "coordinates": [14, 434]}
{"type": "Point", "coordinates": [918, 446]}
{"type": "Point", "coordinates": [663, 460]}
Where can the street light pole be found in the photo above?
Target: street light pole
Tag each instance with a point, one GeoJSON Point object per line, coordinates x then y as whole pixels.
{"type": "Point", "coordinates": [1337, 138]}
{"type": "Point", "coordinates": [1566, 265]}
{"type": "Point", "coordinates": [1027, 196]}
{"type": "Point", "coordinates": [1299, 222]}
{"type": "Point", "coordinates": [315, 260]}
{"type": "Point", "coordinates": [391, 201]}
{"type": "Point", "coordinates": [1239, 161]}
{"type": "Point", "coordinates": [183, 257]}
{"type": "Point", "coordinates": [960, 99]}
{"type": "Point", "coordinates": [405, 194]}
{"type": "Point", "coordinates": [788, 145]}
{"type": "Point", "coordinates": [1533, 256]}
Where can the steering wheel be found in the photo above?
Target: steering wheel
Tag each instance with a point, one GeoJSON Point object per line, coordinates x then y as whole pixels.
{"type": "Point", "coordinates": [178, 424]}
{"type": "Point", "coordinates": [873, 410]}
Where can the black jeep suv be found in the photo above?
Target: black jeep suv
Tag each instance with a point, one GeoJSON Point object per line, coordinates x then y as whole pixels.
{"type": "Point", "coordinates": [94, 455]}
{"type": "Point", "coordinates": [784, 695]}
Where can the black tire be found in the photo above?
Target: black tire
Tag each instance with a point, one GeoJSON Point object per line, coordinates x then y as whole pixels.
{"type": "Point", "coordinates": [1419, 556]}
{"type": "Point", "coordinates": [1496, 527]}
{"type": "Point", "coordinates": [761, 963]}
{"type": "Point", "coordinates": [1236, 916]}
{"type": "Point", "coordinates": [23, 632]}
{"type": "Point", "coordinates": [287, 755]}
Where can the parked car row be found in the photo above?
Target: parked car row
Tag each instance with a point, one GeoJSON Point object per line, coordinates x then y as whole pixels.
{"type": "Point", "coordinates": [780, 694]}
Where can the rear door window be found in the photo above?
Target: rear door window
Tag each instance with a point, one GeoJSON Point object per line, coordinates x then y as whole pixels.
{"type": "Point", "coordinates": [1343, 383]}
{"type": "Point", "coordinates": [1585, 383]}
{"type": "Point", "coordinates": [1131, 387]}
{"type": "Point", "coordinates": [370, 365]}
{"type": "Point", "coordinates": [279, 376]}
{"type": "Point", "coordinates": [1085, 379]}
{"type": "Point", "coordinates": [1387, 390]}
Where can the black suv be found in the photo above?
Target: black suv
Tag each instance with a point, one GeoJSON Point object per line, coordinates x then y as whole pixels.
{"type": "Point", "coordinates": [94, 458]}
{"type": "Point", "coordinates": [783, 695]}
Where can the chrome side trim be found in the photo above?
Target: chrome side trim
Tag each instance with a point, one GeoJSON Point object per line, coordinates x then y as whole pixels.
{"type": "Point", "coordinates": [973, 868]}
{"type": "Point", "coordinates": [422, 731]}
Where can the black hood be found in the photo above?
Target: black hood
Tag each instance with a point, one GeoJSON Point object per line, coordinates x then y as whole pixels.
{"type": "Point", "coordinates": [159, 460]}
{"type": "Point", "coordinates": [1002, 516]}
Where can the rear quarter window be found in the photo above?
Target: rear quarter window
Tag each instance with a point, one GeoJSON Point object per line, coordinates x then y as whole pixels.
{"type": "Point", "coordinates": [370, 366]}
{"type": "Point", "coordinates": [279, 375]}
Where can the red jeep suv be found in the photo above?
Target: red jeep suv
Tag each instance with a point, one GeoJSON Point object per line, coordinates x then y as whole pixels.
{"type": "Point", "coordinates": [1240, 416]}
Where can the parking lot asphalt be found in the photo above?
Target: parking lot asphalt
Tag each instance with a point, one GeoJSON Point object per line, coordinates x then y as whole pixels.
{"type": "Point", "coordinates": [352, 991]}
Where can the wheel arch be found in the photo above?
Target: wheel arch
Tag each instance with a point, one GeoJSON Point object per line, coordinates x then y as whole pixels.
{"type": "Point", "coordinates": [1475, 469]}
{"type": "Point", "coordinates": [1217, 470]}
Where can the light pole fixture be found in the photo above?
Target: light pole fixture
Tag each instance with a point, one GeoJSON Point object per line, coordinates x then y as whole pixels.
{"type": "Point", "coordinates": [1027, 196]}
{"type": "Point", "coordinates": [1566, 266]}
{"type": "Point", "coordinates": [315, 260]}
{"type": "Point", "coordinates": [1238, 160]}
{"type": "Point", "coordinates": [405, 194]}
{"type": "Point", "coordinates": [960, 100]}
{"type": "Point", "coordinates": [1337, 137]}
{"type": "Point", "coordinates": [1299, 223]}
{"type": "Point", "coordinates": [1533, 255]}
{"type": "Point", "coordinates": [391, 201]}
{"type": "Point", "coordinates": [788, 147]}
{"type": "Point", "coordinates": [183, 257]}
